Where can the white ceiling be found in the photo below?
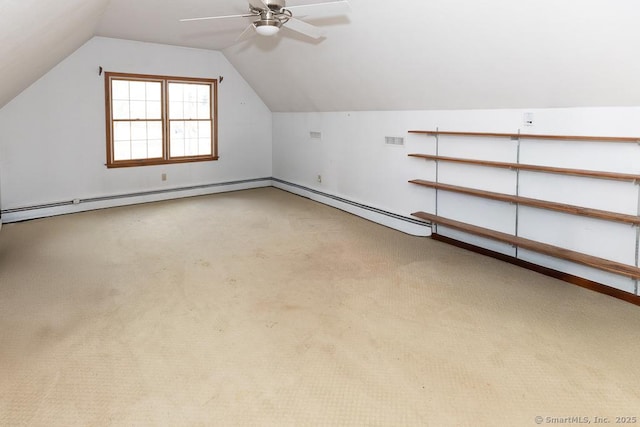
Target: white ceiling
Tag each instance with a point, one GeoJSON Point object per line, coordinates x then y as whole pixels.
{"type": "Point", "coordinates": [384, 55]}
{"type": "Point", "coordinates": [37, 34]}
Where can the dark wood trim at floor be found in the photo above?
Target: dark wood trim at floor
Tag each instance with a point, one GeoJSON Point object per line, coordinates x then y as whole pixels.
{"type": "Point", "coordinates": [575, 280]}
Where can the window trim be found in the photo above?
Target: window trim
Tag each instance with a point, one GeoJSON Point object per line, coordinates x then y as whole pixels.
{"type": "Point", "coordinates": [166, 155]}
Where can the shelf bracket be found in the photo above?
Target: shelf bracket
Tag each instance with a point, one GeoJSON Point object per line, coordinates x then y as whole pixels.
{"type": "Point", "coordinates": [517, 219]}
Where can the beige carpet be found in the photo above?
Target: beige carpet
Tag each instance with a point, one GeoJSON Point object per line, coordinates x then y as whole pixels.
{"type": "Point", "coordinates": [263, 308]}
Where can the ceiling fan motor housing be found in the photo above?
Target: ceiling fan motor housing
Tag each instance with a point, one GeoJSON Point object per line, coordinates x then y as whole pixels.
{"type": "Point", "coordinates": [275, 5]}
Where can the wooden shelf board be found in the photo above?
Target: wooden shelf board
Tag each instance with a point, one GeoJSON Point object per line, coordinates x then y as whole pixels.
{"type": "Point", "coordinates": [542, 204]}
{"type": "Point", "coordinates": [535, 168]}
{"type": "Point", "coordinates": [533, 136]}
{"type": "Point", "coordinates": [543, 248]}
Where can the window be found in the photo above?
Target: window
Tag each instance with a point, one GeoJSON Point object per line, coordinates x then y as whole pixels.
{"type": "Point", "coordinates": [155, 120]}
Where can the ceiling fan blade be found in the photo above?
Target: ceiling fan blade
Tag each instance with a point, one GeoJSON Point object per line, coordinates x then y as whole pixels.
{"type": "Point", "coordinates": [304, 28]}
{"type": "Point", "coordinates": [249, 32]}
{"type": "Point", "coordinates": [217, 17]}
{"type": "Point", "coordinates": [319, 10]}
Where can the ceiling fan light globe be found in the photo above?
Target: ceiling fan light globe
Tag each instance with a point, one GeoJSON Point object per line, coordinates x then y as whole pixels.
{"type": "Point", "coordinates": [267, 28]}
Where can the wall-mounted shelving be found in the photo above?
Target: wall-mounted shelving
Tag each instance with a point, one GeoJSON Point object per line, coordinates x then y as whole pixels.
{"type": "Point", "coordinates": [556, 251]}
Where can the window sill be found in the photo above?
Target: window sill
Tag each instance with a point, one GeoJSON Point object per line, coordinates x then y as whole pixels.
{"type": "Point", "coordinates": [155, 162]}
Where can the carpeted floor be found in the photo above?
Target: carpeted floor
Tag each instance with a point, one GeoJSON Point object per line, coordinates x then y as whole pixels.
{"type": "Point", "coordinates": [263, 308]}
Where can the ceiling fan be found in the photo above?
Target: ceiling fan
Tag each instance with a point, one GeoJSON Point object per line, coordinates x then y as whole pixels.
{"type": "Point", "coordinates": [273, 14]}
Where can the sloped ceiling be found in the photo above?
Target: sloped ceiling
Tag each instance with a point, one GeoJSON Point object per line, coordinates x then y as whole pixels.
{"type": "Point", "coordinates": [36, 34]}
{"type": "Point", "coordinates": [384, 55]}
{"type": "Point", "coordinates": [455, 54]}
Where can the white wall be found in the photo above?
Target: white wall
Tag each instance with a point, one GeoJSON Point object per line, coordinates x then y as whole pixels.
{"type": "Point", "coordinates": [356, 164]}
{"type": "Point", "coordinates": [52, 144]}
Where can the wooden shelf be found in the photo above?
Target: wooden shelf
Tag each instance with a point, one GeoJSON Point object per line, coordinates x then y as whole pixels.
{"type": "Point", "coordinates": [631, 271]}
{"type": "Point", "coordinates": [543, 248]}
{"type": "Point", "coordinates": [535, 168]}
{"type": "Point", "coordinates": [532, 136]}
{"type": "Point", "coordinates": [542, 204]}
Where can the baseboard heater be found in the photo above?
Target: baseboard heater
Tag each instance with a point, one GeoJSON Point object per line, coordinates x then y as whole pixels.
{"type": "Point", "coordinates": [66, 207]}
{"type": "Point", "coordinates": [352, 203]}
{"type": "Point", "coordinates": [130, 195]}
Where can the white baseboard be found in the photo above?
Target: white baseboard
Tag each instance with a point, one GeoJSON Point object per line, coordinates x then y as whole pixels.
{"type": "Point", "coordinates": [81, 205]}
{"type": "Point", "coordinates": [388, 219]}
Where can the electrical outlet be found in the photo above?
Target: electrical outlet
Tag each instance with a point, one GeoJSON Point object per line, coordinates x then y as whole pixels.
{"type": "Point", "coordinates": [528, 119]}
{"type": "Point", "coordinates": [76, 201]}
{"type": "Point", "coordinates": [319, 178]}
{"type": "Point", "coordinates": [164, 176]}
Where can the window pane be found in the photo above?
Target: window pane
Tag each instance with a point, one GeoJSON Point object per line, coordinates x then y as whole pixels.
{"type": "Point", "coordinates": [204, 93]}
{"type": "Point", "coordinates": [175, 110]}
{"type": "Point", "coordinates": [176, 141]}
{"type": "Point", "coordinates": [203, 111]}
{"type": "Point", "coordinates": [154, 130]}
{"type": "Point", "coordinates": [121, 131]}
{"type": "Point", "coordinates": [138, 109]}
{"type": "Point", "coordinates": [177, 130]}
{"type": "Point", "coordinates": [190, 129]}
{"type": "Point", "coordinates": [176, 92]}
{"type": "Point", "coordinates": [190, 138]}
{"type": "Point", "coordinates": [204, 146]}
{"type": "Point", "coordinates": [190, 93]}
{"type": "Point", "coordinates": [120, 89]}
{"type": "Point", "coordinates": [154, 91]}
{"type": "Point", "coordinates": [204, 104]}
{"type": "Point", "coordinates": [121, 150]}
{"type": "Point", "coordinates": [139, 149]}
{"type": "Point", "coordinates": [154, 110]}
{"type": "Point", "coordinates": [138, 91]}
{"type": "Point", "coordinates": [191, 147]}
{"type": "Point", "coordinates": [139, 131]}
{"type": "Point", "coordinates": [189, 101]}
{"type": "Point", "coordinates": [190, 110]}
{"type": "Point", "coordinates": [155, 148]}
{"type": "Point", "coordinates": [177, 147]}
{"type": "Point", "coordinates": [204, 129]}
{"type": "Point", "coordinates": [121, 110]}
